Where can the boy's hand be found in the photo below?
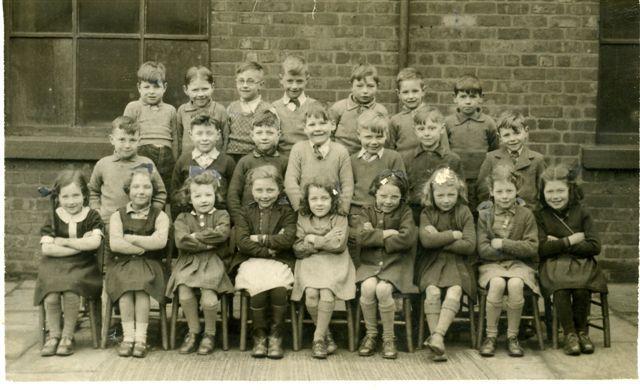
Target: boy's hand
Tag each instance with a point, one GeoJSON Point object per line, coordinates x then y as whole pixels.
{"type": "Point", "coordinates": [367, 227]}
{"type": "Point", "coordinates": [552, 238]}
{"type": "Point", "coordinates": [431, 229]}
{"type": "Point", "coordinates": [496, 243]}
{"type": "Point", "coordinates": [457, 234]}
{"type": "Point", "coordinates": [389, 232]}
{"type": "Point", "coordinates": [254, 238]}
{"type": "Point", "coordinates": [271, 252]}
{"type": "Point", "coordinates": [576, 238]}
{"type": "Point", "coordinates": [281, 231]}
{"type": "Point", "coordinates": [310, 239]}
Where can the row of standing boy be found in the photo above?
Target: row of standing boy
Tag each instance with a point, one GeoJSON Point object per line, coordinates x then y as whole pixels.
{"type": "Point", "coordinates": [348, 189]}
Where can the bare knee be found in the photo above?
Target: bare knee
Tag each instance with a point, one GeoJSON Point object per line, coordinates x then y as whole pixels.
{"type": "Point", "coordinates": [185, 292]}
{"type": "Point", "coordinates": [52, 298]}
{"type": "Point", "coordinates": [384, 291]}
{"type": "Point", "coordinates": [433, 293]}
{"type": "Point", "coordinates": [326, 295]}
{"type": "Point", "coordinates": [368, 289]}
{"type": "Point", "coordinates": [209, 298]}
{"type": "Point", "coordinates": [454, 293]}
{"type": "Point", "coordinates": [312, 296]}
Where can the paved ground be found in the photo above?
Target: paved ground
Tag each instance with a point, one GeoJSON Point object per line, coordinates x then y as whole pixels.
{"type": "Point", "coordinates": [23, 362]}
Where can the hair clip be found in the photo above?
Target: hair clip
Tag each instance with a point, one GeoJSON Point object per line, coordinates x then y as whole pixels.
{"type": "Point", "coordinates": [334, 191]}
{"type": "Point", "coordinates": [147, 166]}
{"type": "Point", "coordinates": [443, 176]}
{"type": "Point", "coordinates": [384, 181]}
{"type": "Point", "coordinates": [44, 191]}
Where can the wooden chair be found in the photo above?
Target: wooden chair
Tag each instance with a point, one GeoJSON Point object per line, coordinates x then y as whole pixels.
{"type": "Point", "coordinates": [528, 295]}
{"type": "Point", "coordinates": [405, 319]}
{"type": "Point", "coordinates": [245, 301]}
{"type": "Point", "coordinates": [94, 320]}
{"type": "Point", "coordinates": [605, 327]}
{"type": "Point", "coordinates": [347, 320]}
{"type": "Point", "coordinates": [224, 320]}
{"type": "Point", "coordinates": [465, 303]}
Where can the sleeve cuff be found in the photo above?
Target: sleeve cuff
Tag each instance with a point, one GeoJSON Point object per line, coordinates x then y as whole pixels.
{"type": "Point", "coordinates": [46, 240]}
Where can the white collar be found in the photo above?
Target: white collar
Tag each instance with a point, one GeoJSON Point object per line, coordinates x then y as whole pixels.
{"type": "Point", "coordinates": [144, 211]}
{"type": "Point", "coordinates": [214, 153]}
{"type": "Point", "coordinates": [75, 218]}
{"type": "Point", "coordinates": [363, 151]}
{"type": "Point", "coordinates": [324, 148]}
{"type": "Point", "coordinates": [302, 98]}
{"type": "Point", "coordinates": [193, 212]}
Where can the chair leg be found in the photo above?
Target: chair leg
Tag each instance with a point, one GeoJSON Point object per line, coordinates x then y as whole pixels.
{"type": "Point", "coordinates": [536, 320]}
{"type": "Point", "coordinates": [420, 322]}
{"type": "Point", "coordinates": [294, 327]}
{"type": "Point", "coordinates": [42, 327]}
{"type": "Point", "coordinates": [300, 322]}
{"type": "Point", "coordinates": [554, 327]}
{"type": "Point", "coordinates": [482, 300]}
{"type": "Point", "coordinates": [224, 301]}
{"type": "Point", "coordinates": [164, 334]}
{"type": "Point", "coordinates": [106, 321]}
{"type": "Point", "coordinates": [406, 304]}
{"type": "Point", "coordinates": [472, 322]}
{"type": "Point", "coordinates": [173, 324]}
{"type": "Point", "coordinates": [548, 317]}
{"type": "Point", "coordinates": [350, 325]}
{"type": "Point", "coordinates": [244, 312]}
{"type": "Point", "coordinates": [356, 324]}
{"type": "Point", "coordinates": [604, 301]}
{"type": "Point", "coordinates": [93, 322]}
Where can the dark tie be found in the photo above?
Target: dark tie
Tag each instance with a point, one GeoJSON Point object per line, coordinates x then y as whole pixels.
{"type": "Point", "coordinates": [296, 102]}
{"type": "Point", "coordinates": [514, 157]}
{"type": "Point", "coordinates": [316, 152]}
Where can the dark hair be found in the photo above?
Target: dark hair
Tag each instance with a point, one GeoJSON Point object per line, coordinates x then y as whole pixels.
{"type": "Point", "coordinates": [329, 188]}
{"type": "Point", "coordinates": [469, 84]}
{"type": "Point", "coordinates": [561, 172]}
{"type": "Point", "coordinates": [265, 172]}
{"type": "Point", "coordinates": [361, 71]}
{"type": "Point", "coordinates": [136, 172]}
{"type": "Point", "coordinates": [249, 65]}
{"type": "Point", "coordinates": [513, 120]}
{"type": "Point", "coordinates": [198, 72]}
{"type": "Point", "coordinates": [506, 173]}
{"type": "Point", "coordinates": [204, 178]}
{"type": "Point", "coordinates": [70, 176]}
{"type": "Point", "coordinates": [443, 176]}
{"type": "Point", "coordinates": [127, 124]}
{"type": "Point", "coordinates": [152, 72]}
{"type": "Point", "coordinates": [373, 121]}
{"type": "Point", "coordinates": [391, 176]}
{"type": "Point", "coordinates": [422, 114]}
{"type": "Point", "coordinates": [266, 117]}
{"type": "Point", "coordinates": [206, 120]}
{"type": "Point", "coordinates": [409, 74]}
{"type": "Point", "coordinates": [318, 110]}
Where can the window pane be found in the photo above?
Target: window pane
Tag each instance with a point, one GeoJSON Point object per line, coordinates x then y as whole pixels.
{"type": "Point", "coordinates": [618, 94]}
{"type": "Point", "coordinates": [40, 96]}
{"type": "Point", "coordinates": [177, 57]}
{"type": "Point", "coordinates": [106, 78]}
{"type": "Point", "coordinates": [619, 19]}
{"type": "Point", "coordinates": [41, 15]}
{"type": "Point", "coordinates": [114, 16]}
{"type": "Point", "coordinates": [177, 17]}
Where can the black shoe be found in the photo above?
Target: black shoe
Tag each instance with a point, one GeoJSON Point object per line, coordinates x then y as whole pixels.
{"type": "Point", "coordinates": [189, 344]}
{"type": "Point", "coordinates": [65, 347]}
{"type": "Point", "coordinates": [50, 347]}
{"type": "Point", "coordinates": [435, 343]}
{"type": "Point", "coordinates": [331, 344]}
{"type": "Point", "coordinates": [514, 348]}
{"type": "Point", "coordinates": [367, 345]}
{"type": "Point", "coordinates": [586, 345]}
{"type": "Point", "coordinates": [207, 344]}
{"type": "Point", "coordinates": [488, 348]}
{"type": "Point", "coordinates": [139, 350]}
{"type": "Point", "coordinates": [125, 349]}
{"type": "Point", "coordinates": [275, 334]}
{"type": "Point", "coordinates": [275, 347]}
{"type": "Point", "coordinates": [571, 344]}
{"type": "Point", "coordinates": [319, 349]}
{"type": "Point", "coordinates": [259, 346]}
{"type": "Point", "coordinates": [389, 350]}
{"type": "Point", "coordinates": [527, 330]}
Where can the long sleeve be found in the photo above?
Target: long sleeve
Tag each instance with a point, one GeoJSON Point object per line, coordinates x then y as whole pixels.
{"type": "Point", "coordinates": [176, 140]}
{"type": "Point", "coordinates": [95, 187]}
{"type": "Point", "coordinates": [549, 248]}
{"type": "Point", "coordinates": [160, 191]}
{"type": "Point", "coordinates": [407, 234]}
{"type": "Point", "coordinates": [591, 245]}
{"type": "Point", "coordinates": [235, 191]}
{"type": "Point", "coordinates": [301, 248]}
{"type": "Point", "coordinates": [184, 240]}
{"type": "Point", "coordinates": [177, 182]}
{"type": "Point", "coordinates": [91, 240]}
{"type": "Point", "coordinates": [392, 139]}
{"type": "Point", "coordinates": [433, 240]}
{"type": "Point", "coordinates": [158, 239]}
{"type": "Point", "coordinates": [398, 163]}
{"type": "Point", "coordinates": [292, 178]}
{"type": "Point", "coordinates": [527, 247]}
{"type": "Point", "coordinates": [337, 244]}
{"type": "Point", "coordinates": [179, 130]}
{"type": "Point", "coordinates": [245, 244]}
{"type": "Point", "coordinates": [346, 184]}
{"type": "Point", "coordinates": [219, 234]}
{"type": "Point", "coordinates": [492, 135]}
{"type": "Point", "coordinates": [117, 242]}
{"type": "Point", "coordinates": [369, 238]}
{"type": "Point", "coordinates": [467, 244]}
{"type": "Point", "coordinates": [224, 133]}
{"type": "Point", "coordinates": [283, 241]}
{"type": "Point", "coordinates": [485, 251]}
{"type": "Point", "coordinates": [482, 185]}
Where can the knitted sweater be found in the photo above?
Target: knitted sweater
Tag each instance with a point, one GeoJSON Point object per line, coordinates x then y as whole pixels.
{"type": "Point", "coordinates": [240, 126]}
{"type": "Point", "coordinates": [292, 123]}
{"type": "Point", "coordinates": [364, 173]}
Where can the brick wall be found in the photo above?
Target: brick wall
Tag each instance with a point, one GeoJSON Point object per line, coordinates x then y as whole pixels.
{"type": "Point", "coordinates": [539, 57]}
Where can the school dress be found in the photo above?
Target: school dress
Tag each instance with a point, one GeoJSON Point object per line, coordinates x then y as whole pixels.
{"type": "Point", "coordinates": [443, 261]}
{"type": "Point", "coordinates": [202, 242]}
{"type": "Point", "coordinates": [325, 263]}
{"type": "Point", "coordinates": [565, 266]}
{"type": "Point", "coordinates": [517, 258]}
{"type": "Point", "coordinates": [78, 273]}
{"type": "Point", "coordinates": [137, 272]}
{"type": "Point", "coordinates": [258, 269]}
{"type": "Point", "coordinates": [391, 259]}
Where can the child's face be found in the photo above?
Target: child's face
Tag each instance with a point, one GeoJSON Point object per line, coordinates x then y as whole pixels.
{"type": "Point", "coordinates": [504, 194]}
{"type": "Point", "coordinates": [140, 191]}
{"type": "Point", "coordinates": [265, 192]}
{"type": "Point", "coordinates": [468, 103]}
{"type": "Point", "coordinates": [388, 198]}
{"type": "Point", "coordinates": [370, 141]}
{"type": "Point", "coordinates": [151, 93]}
{"type": "Point", "coordinates": [318, 129]}
{"type": "Point", "coordinates": [204, 137]}
{"type": "Point", "coordinates": [249, 84]}
{"type": "Point", "coordinates": [445, 196]}
{"type": "Point", "coordinates": [203, 197]}
{"type": "Point", "coordinates": [71, 199]}
{"type": "Point", "coordinates": [556, 193]}
{"type": "Point", "coordinates": [319, 201]}
{"type": "Point", "coordinates": [364, 90]}
{"type": "Point", "coordinates": [512, 140]}
{"type": "Point", "coordinates": [199, 92]}
{"type": "Point", "coordinates": [411, 93]}
{"type": "Point", "coordinates": [125, 145]}
{"type": "Point", "coordinates": [265, 137]}
{"type": "Point", "coordinates": [429, 133]}
{"type": "Point", "coordinates": [293, 85]}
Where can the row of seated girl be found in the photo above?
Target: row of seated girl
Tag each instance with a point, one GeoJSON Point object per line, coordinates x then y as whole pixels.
{"type": "Point", "coordinates": [281, 254]}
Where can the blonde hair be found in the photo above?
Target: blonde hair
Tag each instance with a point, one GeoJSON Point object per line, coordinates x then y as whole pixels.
{"type": "Point", "coordinates": [443, 176]}
{"type": "Point", "coordinates": [295, 65]}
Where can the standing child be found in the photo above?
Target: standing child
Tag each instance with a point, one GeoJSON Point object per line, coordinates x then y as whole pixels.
{"type": "Point", "coordinates": [344, 113]}
{"type": "Point", "coordinates": [69, 268]}
{"type": "Point", "coordinates": [266, 230]}
{"type": "Point", "coordinates": [448, 236]}
{"type": "Point", "coordinates": [324, 270]}
{"type": "Point", "coordinates": [249, 83]}
{"type": "Point", "coordinates": [292, 108]}
{"type": "Point", "coordinates": [137, 236]}
{"type": "Point", "coordinates": [507, 250]}
{"type": "Point", "coordinates": [158, 121]}
{"type": "Point", "coordinates": [199, 87]}
{"type": "Point", "coordinates": [201, 238]}
{"type": "Point", "coordinates": [388, 237]}
{"type": "Point", "coordinates": [526, 164]}
{"type": "Point", "coordinates": [568, 244]}
{"type": "Point", "coordinates": [319, 158]}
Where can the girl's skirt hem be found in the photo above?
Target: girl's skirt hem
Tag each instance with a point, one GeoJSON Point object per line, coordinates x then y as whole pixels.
{"type": "Point", "coordinates": [256, 275]}
{"type": "Point", "coordinates": [508, 269]}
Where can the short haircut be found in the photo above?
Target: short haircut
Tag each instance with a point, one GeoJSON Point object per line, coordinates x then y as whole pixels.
{"type": "Point", "coordinates": [295, 65]}
{"type": "Point", "coordinates": [206, 120]}
{"type": "Point", "coordinates": [443, 176]}
{"type": "Point", "coordinates": [374, 122]}
{"type": "Point", "coordinates": [391, 176]}
{"type": "Point", "coordinates": [505, 173]}
{"type": "Point", "coordinates": [563, 173]}
{"type": "Point", "coordinates": [423, 114]}
{"type": "Point", "coordinates": [513, 120]}
{"type": "Point", "coordinates": [198, 72]}
{"type": "Point", "coordinates": [249, 65]}
{"type": "Point", "coordinates": [70, 176]}
{"type": "Point", "coordinates": [265, 172]}
{"type": "Point", "coordinates": [324, 184]}
{"type": "Point", "coordinates": [409, 74]}
{"type": "Point", "coordinates": [138, 172]}
{"type": "Point", "coordinates": [469, 84]}
{"type": "Point", "coordinates": [266, 117]}
{"type": "Point", "coordinates": [361, 71]}
{"type": "Point", "coordinates": [318, 110]}
{"type": "Point", "coordinates": [152, 72]}
{"type": "Point", "coordinates": [127, 124]}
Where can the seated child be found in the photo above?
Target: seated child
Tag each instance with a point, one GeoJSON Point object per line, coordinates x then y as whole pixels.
{"type": "Point", "coordinates": [68, 268]}
{"type": "Point", "coordinates": [202, 240]}
{"type": "Point", "coordinates": [266, 230]}
{"type": "Point", "coordinates": [344, 113]}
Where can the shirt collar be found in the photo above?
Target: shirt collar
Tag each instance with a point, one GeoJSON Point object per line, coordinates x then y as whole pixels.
{"type": "Point", "coordinates": [116, 157]}
{"type": "Point", "coordinates": [252, 105]}
{"type": "Point", "coordinates": [189, 106]}
{"type": "Point", "coordinates": [69, 218]}
{"type": "Point", "coordinates": [324, 148]}
{"type": "Point", "coordinates": [407, 110]}
{"type": "Point", "coordinates": [511, 210]}
{"type": "Point", "coordinates": [258, 154]}
{"type": "Point", "coordinates": [462, 118]}
{"type": "Point", "coordinates": [150, 105]}
{"type": "Point", "coordinates": [213, 154]}
{"type": "Point", "coordinates": [363, 151]}
{"type": "Point", "coordinates": [352, 104]}
{"type": "Point", "coordinates": [143, 212]}
{"type": "Point", "coordinates": [439, 150]}
{"type": "Point", "coordinates": [302, 98]}
{"type": "Point", "coordinates": [193, 212]}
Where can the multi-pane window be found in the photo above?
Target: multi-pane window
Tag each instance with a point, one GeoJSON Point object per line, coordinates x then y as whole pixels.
{"type": "Point", "coordinates": [73, 63]}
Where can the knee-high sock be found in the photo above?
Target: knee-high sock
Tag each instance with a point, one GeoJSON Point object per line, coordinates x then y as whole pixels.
{"type": "Point", "coordinates": [432, 312]}
{"type": "Point", "coordinates": [370, 317]}
{"type": "Point", "coordinates": [313, 312]}
{"type": "Point", "coordinates": [450, 308]}
{"type": "Point", "coordinates": [562, 300]}
{"type": "Point", "coordinates": [53, 312]}
{"type": "Point", "coordinates": [514, 313]}
{"type": "Point", "coordinates": [325, 311]}
{"type": "Point", "coordinates": [190, 309]}
{"type": "Point", "coordinates": [581, 306]}
{"type": "Point", "coordinates": [71, 304]}
{"type": "Point", "coordinates": [493, 315]}
{"type": "Point", "coordinates": [386, 317]}
{"type": "Point", "coordinates": [210, 313]}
